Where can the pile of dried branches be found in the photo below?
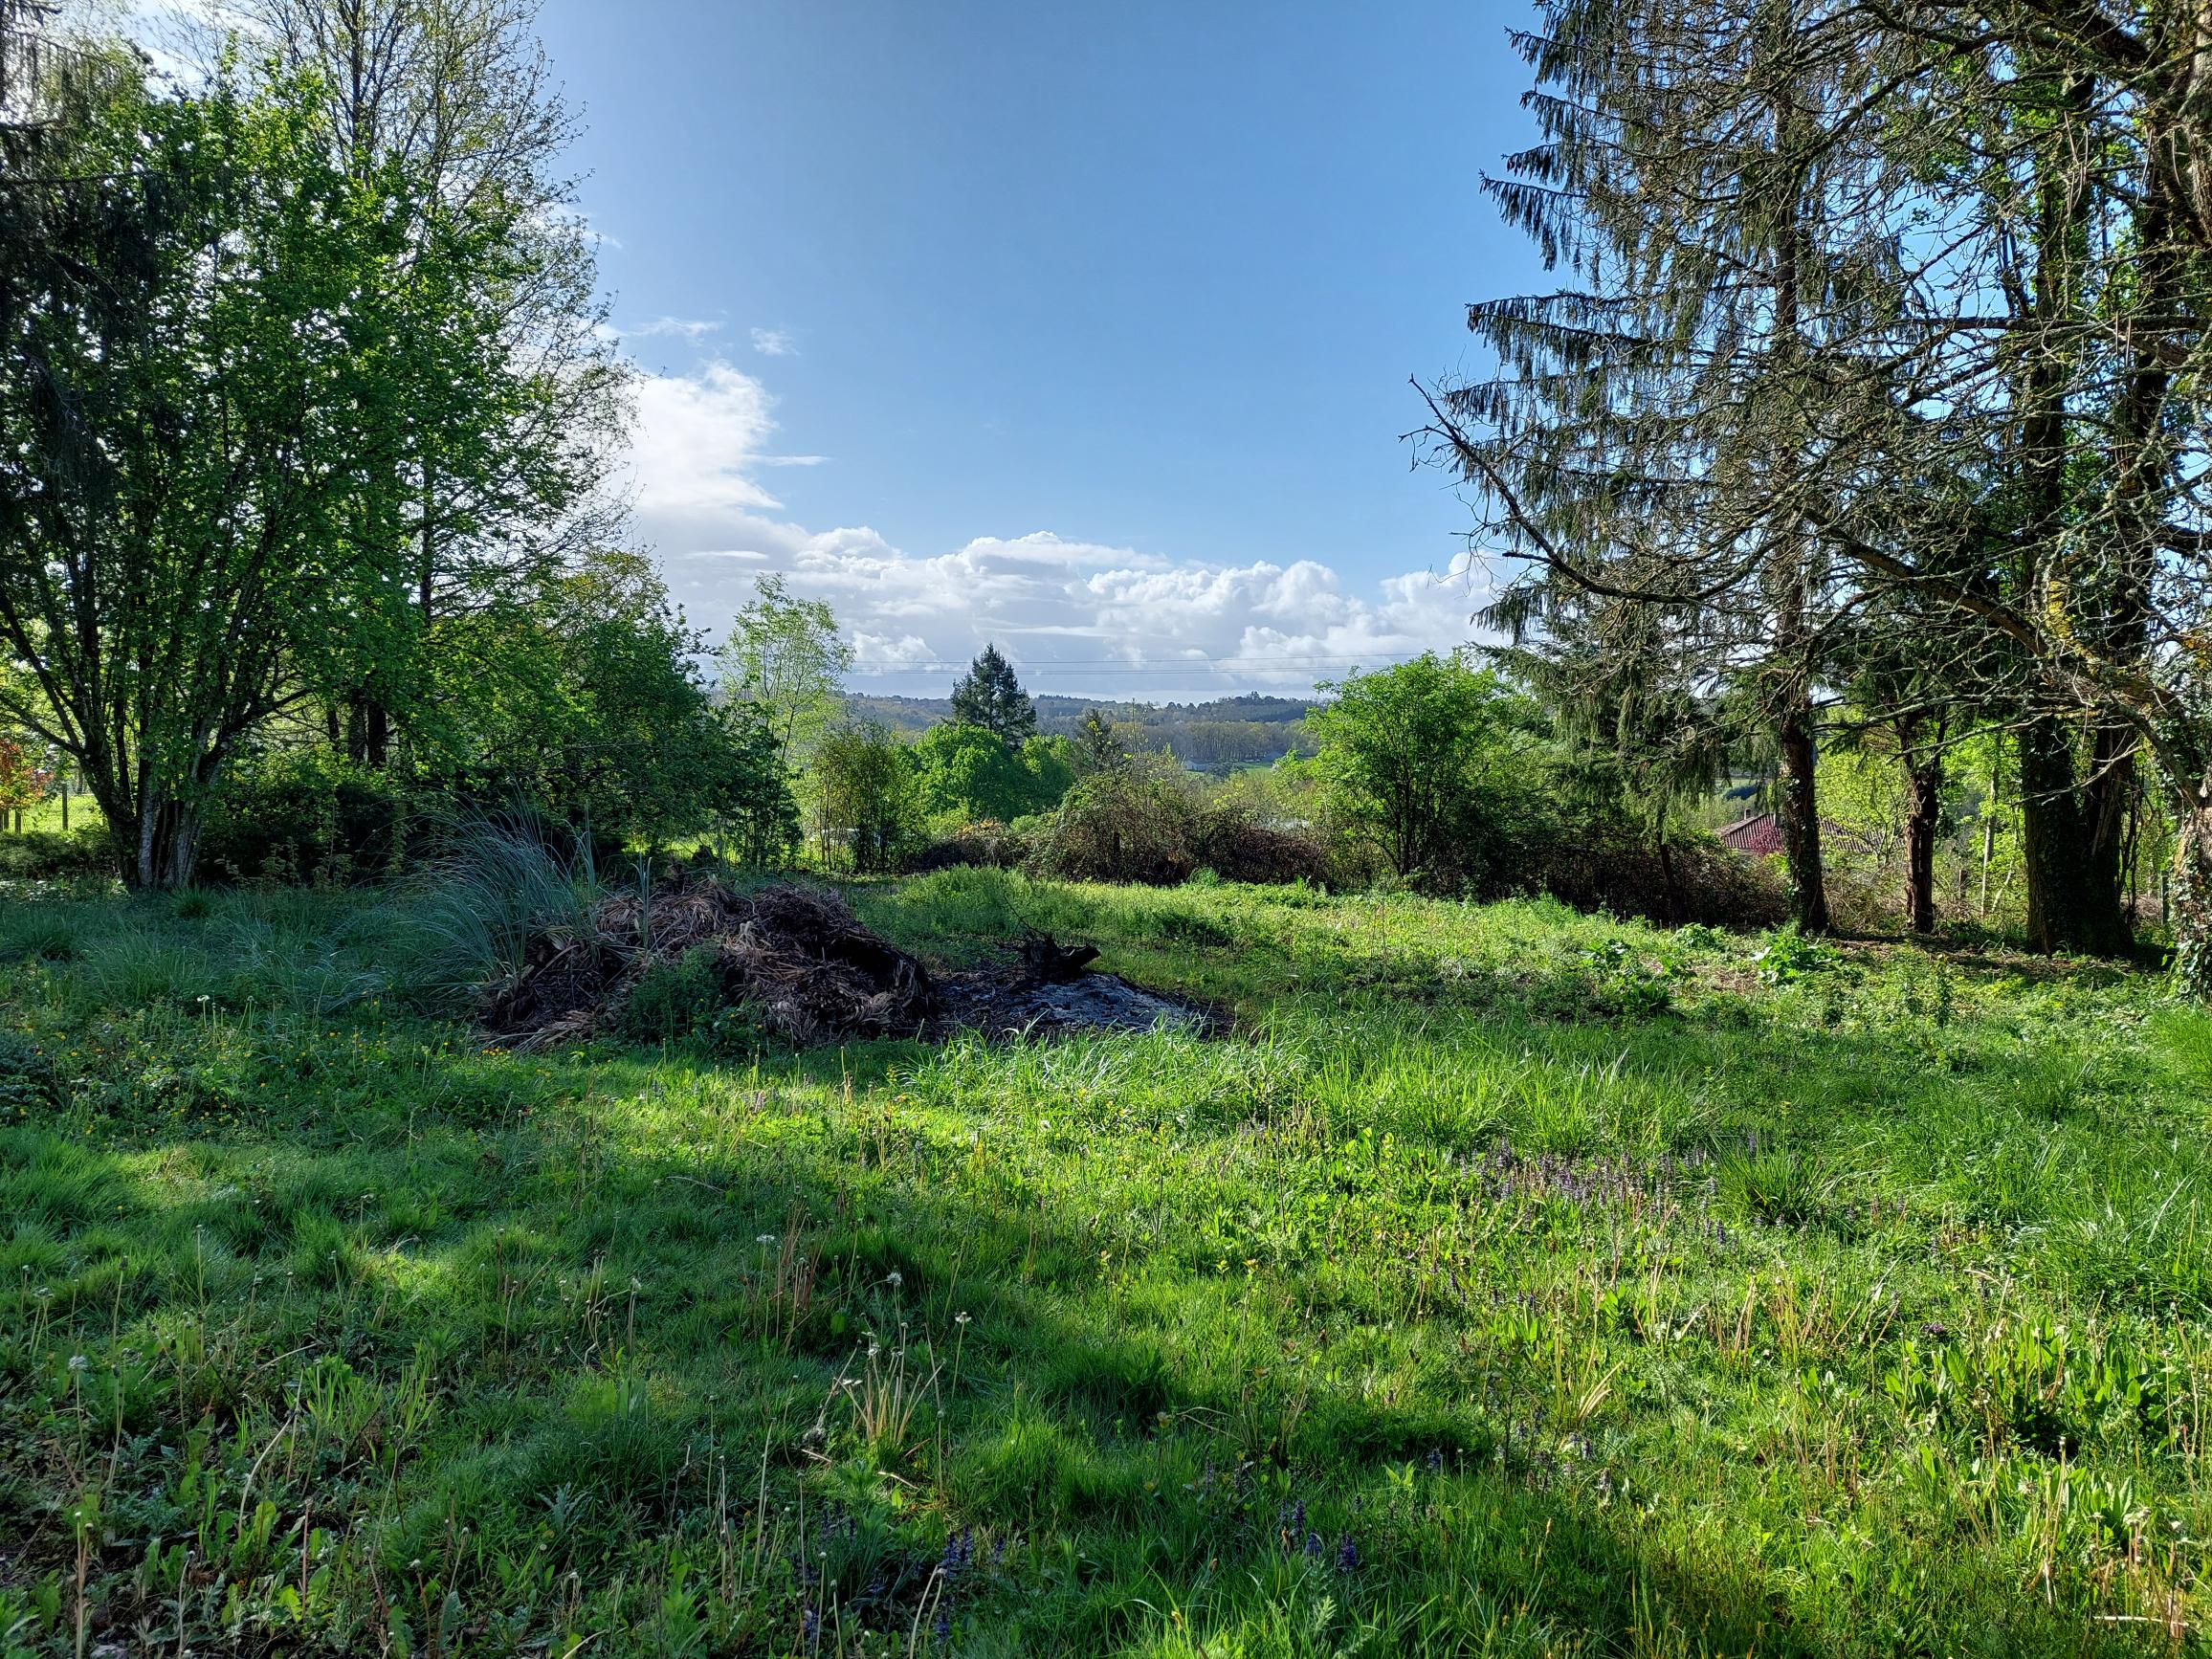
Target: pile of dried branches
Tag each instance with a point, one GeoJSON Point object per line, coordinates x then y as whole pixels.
{"type": "Point", "coordinates": [794, 956]}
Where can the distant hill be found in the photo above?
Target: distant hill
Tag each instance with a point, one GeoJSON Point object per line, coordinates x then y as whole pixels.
{"type": "Point", "coordinates": [1225, 733]}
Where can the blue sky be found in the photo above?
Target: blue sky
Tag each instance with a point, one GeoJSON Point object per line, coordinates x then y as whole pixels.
{"type": "Point", "coordinates": [1087, 329]}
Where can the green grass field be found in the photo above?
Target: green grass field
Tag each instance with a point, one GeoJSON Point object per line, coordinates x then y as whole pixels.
{"type": "Point", "coordinates": [46, 814]}
{"type": "Point", "coordinates": [1509, 1281]}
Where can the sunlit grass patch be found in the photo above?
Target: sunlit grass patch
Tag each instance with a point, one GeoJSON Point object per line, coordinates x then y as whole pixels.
{"type": "Point", "coordinates": [1466, 1298]}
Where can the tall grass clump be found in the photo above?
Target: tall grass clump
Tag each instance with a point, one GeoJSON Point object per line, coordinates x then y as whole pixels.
{"type": "Point", "coordinates": [37, 933]}
{"type": "Point", "coordinates": [466, 919]}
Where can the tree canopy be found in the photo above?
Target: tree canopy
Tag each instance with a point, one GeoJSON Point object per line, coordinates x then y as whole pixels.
{"type": "Point", "coordinates": [204, 426]}
{"type": "Point", "coordinates": [989, 696]}
{"type": "Point", "coordinates": [785, 657]}
{"type": "Point", "coordinates": [1889, 310]}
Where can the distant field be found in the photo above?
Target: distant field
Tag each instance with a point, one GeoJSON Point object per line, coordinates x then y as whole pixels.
{"type": "Point", "coordinates": [1509, 1281]}
{"type": "Point", "coordinates": [47, 814]}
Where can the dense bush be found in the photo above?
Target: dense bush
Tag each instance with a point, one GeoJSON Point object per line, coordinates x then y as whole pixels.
{"type": "Point", "coordinates": [1434, 763]}
{"type": "Point", "coordinates": [1597, 864]}
{"type": "Point", "coordinates": [1230, 840]}
{"type": "Point", "coordinates": [1140, 824]}
{"type": "Point", "coordinates": [48, 853]}
{"type": "Point", "coordinates": [1458, 783]}
{"type": "Point", "coordinates": [867, 812]}
{"type": "Point", "coordinates": [985, 842]}
{"type": "Point", "coordinates": [306, 815]}
{"type": "Point", "coordinates": [1128, 824]}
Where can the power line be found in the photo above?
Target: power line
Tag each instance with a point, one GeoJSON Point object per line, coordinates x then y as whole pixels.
{"type": "Point", "coordinates": [1121, 665]}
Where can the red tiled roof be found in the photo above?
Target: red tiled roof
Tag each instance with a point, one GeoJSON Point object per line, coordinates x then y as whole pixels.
{"type": "Point", "coordinates": [1758, 834]}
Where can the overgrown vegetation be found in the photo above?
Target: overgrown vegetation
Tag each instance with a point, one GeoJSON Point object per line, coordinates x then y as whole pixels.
{"type": "Point", "coordinates": [1867, 404]}
{"type": "Point", "coordinates": [1509, 1281]}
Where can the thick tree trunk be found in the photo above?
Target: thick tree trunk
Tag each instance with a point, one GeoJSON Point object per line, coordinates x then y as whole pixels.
{"type": "Point", "coordinates": [2070, 905]}
{"type": "Point", "coordinates": [377, 734]}
{"type": "Point", "coordinates": [1793, 576]}
{"type": "Point", "coordinates": [1924, 810]}
{"type": "Point", "coordinates": [169, 843]}
{"type": "Point", "coordinates": [2105, 793]}
{"type": "Point", "coordinates": [368, 730]}
{"type": "Point", "coordinates": [2072, 867]}
{"type": "Point", "coordinates": [1800, 818]}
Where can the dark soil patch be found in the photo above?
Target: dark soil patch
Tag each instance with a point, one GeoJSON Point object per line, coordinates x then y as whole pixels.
{"type": "Point", "coordinates": [807, 971]}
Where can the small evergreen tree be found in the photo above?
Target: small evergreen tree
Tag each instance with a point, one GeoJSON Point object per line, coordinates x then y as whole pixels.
{"type": "Point", "coordinates": [1098, 746]}
{"type": "Point", "coordinates": [991, 697]}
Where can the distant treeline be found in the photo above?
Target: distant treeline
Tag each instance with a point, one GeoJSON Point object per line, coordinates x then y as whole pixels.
{"type": "Point", "coordinates": [1227, 732]}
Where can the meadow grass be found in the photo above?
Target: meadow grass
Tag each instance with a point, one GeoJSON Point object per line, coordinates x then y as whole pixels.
{"type": "Point", "coordinates": [1507, 1280]}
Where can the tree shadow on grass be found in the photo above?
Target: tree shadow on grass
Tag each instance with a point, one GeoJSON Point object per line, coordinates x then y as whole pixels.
{"type": "Point", "coordinates": [607, 1318]}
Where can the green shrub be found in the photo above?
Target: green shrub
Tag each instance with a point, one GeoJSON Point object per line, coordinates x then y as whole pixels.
{"type": "Point", "coordinates": [866, 803]}
{"type": "Point", "coordinates": [1230, 840]}
{"type": "Point", "coordinates": [1597, 862]}
{"type": "Point", "coordinates": [986, 842]}
{"type": "Point", "coordinates": [1141, 824]}
{"type": "Point", "coordinates": [307, 816]}
{"type": "Point", "coordinates": [45, 854]}
{"type": "Point", "coordinates": [1125, 825]}
{"type": "Point", "coordinates": [672, 1001]}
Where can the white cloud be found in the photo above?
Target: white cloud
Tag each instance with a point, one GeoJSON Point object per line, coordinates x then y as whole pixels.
{"type": "Point", "coordinates": [1074, 615]}
{"type": "Point", "coordinates": [775, 342]}
{"type": "Point", "coordinates": [682, 328]}
{"type": "Point", "coordinates": [886, 655]}
{"type": "Point", "coordinates": [697, 443]}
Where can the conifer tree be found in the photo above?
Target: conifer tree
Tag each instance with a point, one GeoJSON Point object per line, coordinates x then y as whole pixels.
{"type": "Point", "coordinates": [1878, 312]}
{"type": "Point", "coordinates": [991, 697]}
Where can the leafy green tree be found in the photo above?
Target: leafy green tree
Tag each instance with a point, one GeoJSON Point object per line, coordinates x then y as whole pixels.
{"type": "Point", "coordinates": [455, 97]}
{"type": "Point", "coordinates": [784, 657]}
{"type": "Point", "coordinates": [1620, 686]}
{"type": "Point", "coordinates": [1051, 764]}
{"type": "Point", "coordinates": [579, 697]}
{"type": "Point", "coordinates": [210, 388]}
{"type": "Point", "coordinates": [1429, 757]}
{"type": "Point", "coordinates": [748, 790]}
{"type": "Point", "coordinates": [867, 807]}
{"type": "Point", "coordinates": [989, 696]}
{"type": "Point", "coordinates": [967, 773]}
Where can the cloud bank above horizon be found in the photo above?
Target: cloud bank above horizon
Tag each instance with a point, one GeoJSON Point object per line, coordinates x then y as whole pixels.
{"type": "Point", "coordinates": [1076, 616]}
